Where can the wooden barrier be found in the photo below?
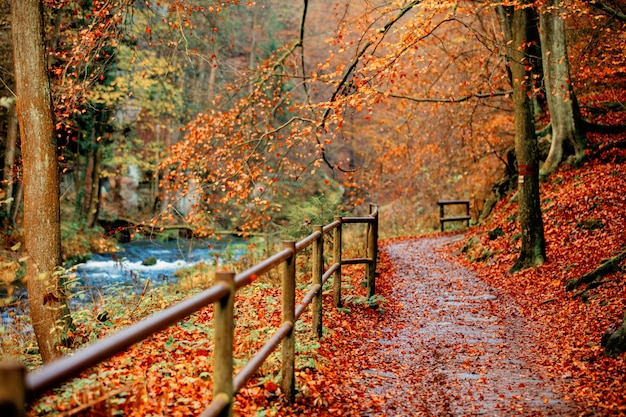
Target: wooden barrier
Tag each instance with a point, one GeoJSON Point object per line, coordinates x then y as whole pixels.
{"type": "Point", "coordinates": [443, 219]}
{"type": "Point", "coordinates": [18, 387]}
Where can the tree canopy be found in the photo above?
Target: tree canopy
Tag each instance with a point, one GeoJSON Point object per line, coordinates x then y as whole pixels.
{"type": "Point", "coordinates": [373, 99]}
{"type": "Point", "coordinates": [221, 114]}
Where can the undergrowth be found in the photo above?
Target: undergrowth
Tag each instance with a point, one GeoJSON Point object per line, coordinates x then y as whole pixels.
{"type": "Point", "coordinates": [172, 370]}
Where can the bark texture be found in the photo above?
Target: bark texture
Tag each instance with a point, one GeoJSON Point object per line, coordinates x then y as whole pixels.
{"type": "Point", "coordinates": [562, 104]}
{"type": "Point", "coordinates": [48, 304]}
{"type": "Point", "coordinates": [533, 251]}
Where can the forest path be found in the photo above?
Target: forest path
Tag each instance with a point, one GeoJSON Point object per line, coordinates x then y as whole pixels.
{"type": "Point", "coordinates": [451, 345]}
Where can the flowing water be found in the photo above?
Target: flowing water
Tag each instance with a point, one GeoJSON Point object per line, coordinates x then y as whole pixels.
{"type": "Point", "coordinates": [131, 267]}
{"type": "Point", "coordinates": [155, 260]}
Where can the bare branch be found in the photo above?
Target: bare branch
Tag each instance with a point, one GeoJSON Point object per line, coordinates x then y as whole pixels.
{"type": "Point", "coordinates": [364, 49]}
{"type": "Point", "coordinates": [452, 99]}
{"type": "Point", "coordinates": [346, 75]}
{"type": "Point", "coordinates": [305, 85]}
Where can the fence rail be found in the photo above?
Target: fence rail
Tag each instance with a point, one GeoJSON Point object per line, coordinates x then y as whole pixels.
{"type": "Point", "coordinates": [18, 387]}
{"type": "Point", "coordinates": [443, 219]}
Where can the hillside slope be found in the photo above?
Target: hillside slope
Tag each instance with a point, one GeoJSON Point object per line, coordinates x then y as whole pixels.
{"type": "Point", "coordinates": [584, 213]}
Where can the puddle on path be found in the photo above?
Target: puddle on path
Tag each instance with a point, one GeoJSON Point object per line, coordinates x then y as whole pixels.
{"type": "Point", "coordinates": [456, 347]}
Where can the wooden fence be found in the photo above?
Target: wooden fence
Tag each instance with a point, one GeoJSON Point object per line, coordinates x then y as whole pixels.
{"type": "Point", "coordinates": [442, 217]}
{"type": "Point", "coordinates": [18, 387]}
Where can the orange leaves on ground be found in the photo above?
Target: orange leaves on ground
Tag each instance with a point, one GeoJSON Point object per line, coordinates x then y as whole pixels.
{"type": "Point", "coordinates": [584, 212]}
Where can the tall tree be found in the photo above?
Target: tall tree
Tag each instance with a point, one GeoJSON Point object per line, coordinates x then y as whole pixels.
{"type": "Point", "coordinates": [533, 250]}
{"type": "Point", "coordinates": [7, 103]}
{"type": "Point", "coordinates": [562, 104]}
{"type": "Point", "coordinates": [9, 157]}
{"type": "Point", "coordinates": [48, 303]}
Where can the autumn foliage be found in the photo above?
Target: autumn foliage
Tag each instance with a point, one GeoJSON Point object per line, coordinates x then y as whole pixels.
{"type": "Point", "coordinates": [400, 103]}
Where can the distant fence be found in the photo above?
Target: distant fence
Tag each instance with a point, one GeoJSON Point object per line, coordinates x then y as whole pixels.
{"type": "Point", "coordinates": [442, 217]}
{"type": "Point", "coordinates": [18, 387]}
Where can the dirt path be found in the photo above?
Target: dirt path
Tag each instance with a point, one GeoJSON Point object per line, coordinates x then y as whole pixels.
{"type": "Point", "coordinates": [454, 346]}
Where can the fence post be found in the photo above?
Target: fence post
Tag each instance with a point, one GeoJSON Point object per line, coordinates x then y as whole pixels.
{"type": "Point", "coordinates": [318, 271]}
{"type": "Point", "coordinates": [12, 389]}
{"type": "Point", "coordinates": [337, 260]}
{"type": "Point", "coordinates": [372, 252]}
{"type": "Point", "coordinates": [441, 214]}
{"type": "Point", "coordinates": [289, 315]}
{"type": "Point", "coordinates": [223, 352]}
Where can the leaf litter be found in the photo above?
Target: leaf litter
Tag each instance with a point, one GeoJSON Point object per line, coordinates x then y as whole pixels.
{"type": "Point", "coordinates": [452, 333]}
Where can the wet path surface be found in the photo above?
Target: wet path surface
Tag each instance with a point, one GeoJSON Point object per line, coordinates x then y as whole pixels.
{"type": "Point", "coordinates": [456, 346]}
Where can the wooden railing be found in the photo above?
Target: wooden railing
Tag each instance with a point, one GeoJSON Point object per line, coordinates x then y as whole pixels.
{"type": "Point", "coordinates": [18, 387]}
{"type": "Point", "coordinates": [443, 219]}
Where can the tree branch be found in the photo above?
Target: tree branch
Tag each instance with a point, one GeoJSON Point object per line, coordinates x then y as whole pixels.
{"type": "Point", "coordinates": [346, 75]}
{"type": "Point", "coordinates": [605, 8]}
{"type": "Point", "coordinates": [384, 30]}
{"type": "Point", "coordinates": [305, 85]}
{"type": "Point", "coordinates": [452, 99]}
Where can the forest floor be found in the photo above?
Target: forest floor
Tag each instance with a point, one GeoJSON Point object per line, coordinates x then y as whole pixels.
{"type": "Point", "coordinates": [442, 341]}
{"type": "Point", "coordinates": [462, 336]}
{"type": "Point", "coordinates": [453, 332]}
{"type": "Point", "coordinates": [448, 344]}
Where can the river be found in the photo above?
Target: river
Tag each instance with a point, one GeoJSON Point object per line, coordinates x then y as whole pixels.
{"type": "Point", "coordinates": [129, 269]}
{"type": "Point", "coordinates": [156, 260]}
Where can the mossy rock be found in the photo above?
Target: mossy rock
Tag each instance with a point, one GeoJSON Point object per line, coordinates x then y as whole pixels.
{"type": "Point", "coordinates": [590, 224]}
{"type": "Point", "coordinates": [485, 255]}
{"type": "Point", "coordinates": [614, 342]}
{"type": "Point", "coordinates": [149, 261]}
{"type": "Point", "coordinates": [470, 244]}
{"type": "Point", "coordinates": [495, 233]}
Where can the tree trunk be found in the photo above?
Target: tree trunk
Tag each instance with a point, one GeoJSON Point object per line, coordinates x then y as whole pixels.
{"type": "Point", "coordinates": [77, 176]}
{"type": "Point", "coordinates": [212, 75]}
{"type": "Point", "coordinates": [94, 196]}
{"type": "Point", "coordinates": [17, 201]}
{"type": "Point", "coordinates": [90, 178]}
{"type": "Point", "coordinates": [505, 18]}
{"type": "Point", "coordinates": [562, 104]}
{"type": "Point", "coordinates": [42, 235]}
{"type": "Point", "coordinates": [533, 251]}
{"type": "Point", "coordinates": [9, 158]}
